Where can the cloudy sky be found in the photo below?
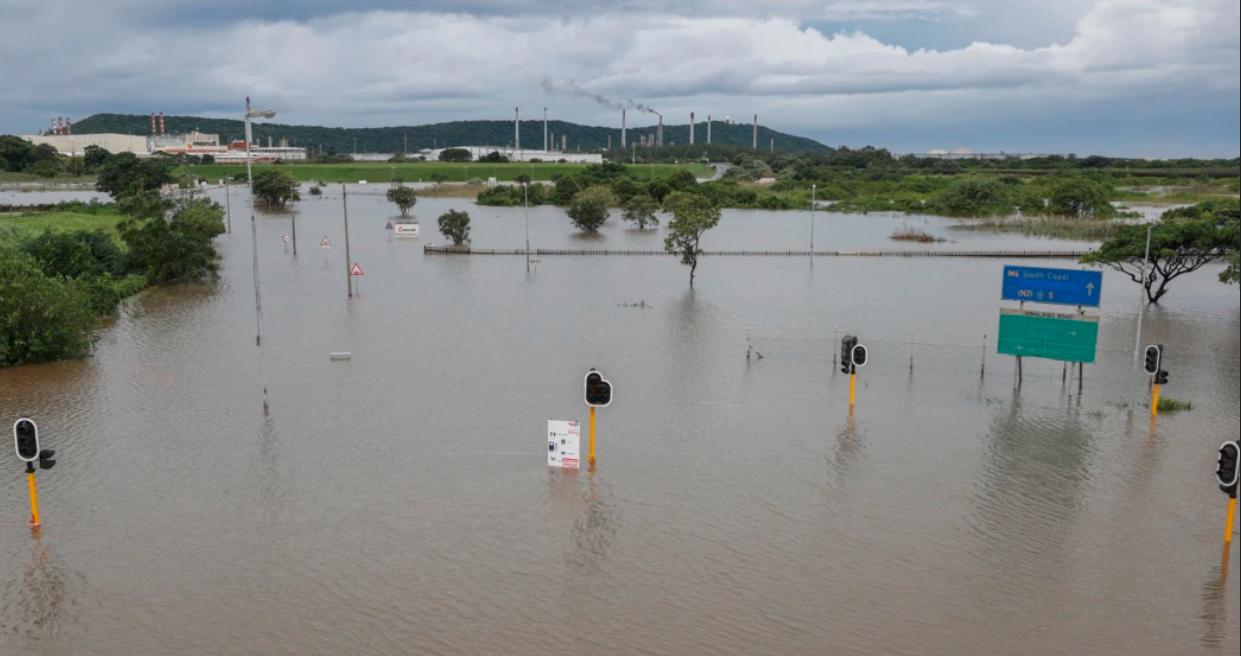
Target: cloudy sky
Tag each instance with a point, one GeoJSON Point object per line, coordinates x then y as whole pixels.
{"type": "Point", "coordinates": [1126, 77]}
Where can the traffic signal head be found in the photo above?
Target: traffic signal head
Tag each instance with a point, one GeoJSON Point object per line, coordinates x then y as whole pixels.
{"type": "Point", "coordinates": [1154, 358]}
{"type": "Point", "coordinates": [1226, 468]}
{"type": "Point", "coordinates": [45, 458]}
{"type": "Point", "coordinates": [846, 353]}
{"type": "Point", "coordinates": [1161, 378]}
{"type": "Point", "coordinates": [598, 390]}
{"type": "Point", "coordinates": [860, 353]}
{"type": "Point", "coordinates": [26, 439]}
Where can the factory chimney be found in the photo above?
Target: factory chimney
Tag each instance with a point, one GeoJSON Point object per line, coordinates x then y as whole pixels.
{"type": "Point", "coordinates": [609, 141]}
{"type": "Point", "coordinates": [754, 138]}
{"type": "Point", "coordinates": [564, 143]}
{"type": "Point", "coordinates": [659, 132]}
{"type": "Point", "coordinates": [516, 129]}
{"type": "Point", "coordinates": [708, 128]}
{"type": "Point", "coordinates": [152, 124]}
{"type": "Point", "coordinates": [691, 128]}
{"type": "Point", "coordinates": [68, 125]}
{"type": "Point", "coordinates": [163, 130]}
{"type": "Point", "coordinates": [544, 128]}
{"type": "Point", "coordinates": [622, 128]}
{"type": "Point", "coordinates": [55, 125]}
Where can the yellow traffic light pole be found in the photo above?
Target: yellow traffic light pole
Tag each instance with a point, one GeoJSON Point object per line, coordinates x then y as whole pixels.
{"type": "Point", "coordinates": [34, 496]}
{"type": "Point", "coordinates": [1154, 400]}
{"type": "Point", "coordinates": [852, 387]}
{"type": "Point", "coordinates": [591, 448]}
{"type": "Point", "coordinates": [1232, 511]}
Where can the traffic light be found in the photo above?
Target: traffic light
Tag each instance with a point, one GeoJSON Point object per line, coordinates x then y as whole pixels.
{"type": "Point", "coordinates": [45, 458]}
{"type": "Point", "coordinates": [26, 439]}
{"type": "Point", "coordinates": [1226, 468]}
{"type": "Point", "coordinates": [846, 353]}
{"type": "Point", "coordinates": [1161, 378]}
{"type": "Point", "coordinates": [598, 390]}
{"type": "Point", "coordinates": [860, 353]}
{"type": "Point", "coordinates": [1154, 358]}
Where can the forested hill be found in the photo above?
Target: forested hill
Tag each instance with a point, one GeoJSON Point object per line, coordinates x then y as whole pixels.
{"type": "Point", "coordinates": [455, 133]}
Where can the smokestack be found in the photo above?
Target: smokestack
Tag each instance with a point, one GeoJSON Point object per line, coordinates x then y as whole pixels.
{"type": "Point", "coordinates": [68, 125]}
{"type": "Point", "coordinates": [754, 138]}
{"type": "Point", "coordinates": [564, 143]}
{"type": "Point", "coordinates": [516, 129]}
{"type": "Point", "coordinates": [708, 128]}
{"type": "Point", "coordinates": [609, 141]}
{"type": "Point", "coordinates": [269, 141]}
{"type": "Point", "coordinates": [544, 128]}
{"type": "Point", "coordinates": [771, 145]}
{"type": "Point", "coordinates": [659, 131]}
{"type": "Point", "coordinates": [152, 124]}
{"type": "Point", "coordinates": [622, 128]}
{"type": "Point", "coordinates": [691, 128]}
{"type": "Point", "coordinates": [162, 127]}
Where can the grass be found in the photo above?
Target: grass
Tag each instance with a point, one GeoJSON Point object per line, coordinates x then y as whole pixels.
{"type": "Point", "coordinates": [34, 222]}
{"type": "Point", "coordinates": [913, 234]}
{"type": "Point", "coordinates": [10, 176]}
{"type": "Point", "coordinates": [1168, 404]}
{"type": "Point", "coordinates": [1046, 226]}
{"type": "Point", "coordinates": [422, 171]}
{"type": "Point", "coordinates": [1182, 194]}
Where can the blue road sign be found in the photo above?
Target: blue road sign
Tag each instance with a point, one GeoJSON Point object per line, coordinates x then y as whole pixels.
{"type": "Point", "coordinates": [1059, 286]}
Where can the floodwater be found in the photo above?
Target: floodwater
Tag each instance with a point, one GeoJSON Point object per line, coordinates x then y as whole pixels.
{"type": "Point", "coordinates": [400, 502]}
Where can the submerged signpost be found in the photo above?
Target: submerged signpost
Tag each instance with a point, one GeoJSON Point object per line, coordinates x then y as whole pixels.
{"type": "Point", "coordinates": [1050, 335]}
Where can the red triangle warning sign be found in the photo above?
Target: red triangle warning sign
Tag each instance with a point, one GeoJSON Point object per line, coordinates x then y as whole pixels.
{"type": "Point", "coordinates": [356, 270]}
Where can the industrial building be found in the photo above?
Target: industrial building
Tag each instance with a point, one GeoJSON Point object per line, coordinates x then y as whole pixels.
{"type": "Point", "coordinates": [74, 145]}
{"type": "Point", "coordinates": [522, 155]}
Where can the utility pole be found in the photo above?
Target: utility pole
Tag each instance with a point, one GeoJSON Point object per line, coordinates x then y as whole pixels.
{"type": "Point", "coordinates": [344, 202]}
{"type": "Point", "coordinates": [1137, 339]}
{"type": "Point", "coordinates": [525, 191]}
{"type": "Point", "coordinates": [812, 195]}
{"type": "Point", "coordinates": [228, 205]}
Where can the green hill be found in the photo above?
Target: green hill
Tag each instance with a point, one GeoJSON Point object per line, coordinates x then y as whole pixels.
{"type": "Point", "coordinates": [455, 133]}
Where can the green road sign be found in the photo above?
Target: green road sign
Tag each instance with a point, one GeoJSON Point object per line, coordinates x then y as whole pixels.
{"type": "Point", "coordinates": [1071, 338]}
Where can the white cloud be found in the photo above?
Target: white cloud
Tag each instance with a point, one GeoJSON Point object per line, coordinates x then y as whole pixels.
{"type": "Point", "coordinates": [364, 67]}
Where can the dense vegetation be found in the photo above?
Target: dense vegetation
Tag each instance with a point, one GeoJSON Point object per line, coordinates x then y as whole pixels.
{"type": "Point", "coordinates": [62, 269]}
{"type": "Point", "coordinates": [400, 139]}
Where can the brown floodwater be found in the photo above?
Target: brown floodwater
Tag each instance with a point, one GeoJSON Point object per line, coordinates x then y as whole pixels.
{"type": "Point", "coordinates": [400, 502]}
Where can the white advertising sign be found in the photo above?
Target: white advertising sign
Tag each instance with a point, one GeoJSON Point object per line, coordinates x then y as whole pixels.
{"type": "Point", "coordinates": [405, 230]}
{"type": "Point", "coordinates": [564, 443]}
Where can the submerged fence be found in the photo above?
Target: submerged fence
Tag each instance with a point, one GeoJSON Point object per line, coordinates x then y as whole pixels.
{"type": "Point", "coordinates": [1040, 254]}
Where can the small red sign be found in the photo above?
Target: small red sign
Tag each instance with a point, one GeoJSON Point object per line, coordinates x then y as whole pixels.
{"type": "Point", "coordinates": [356, 270]}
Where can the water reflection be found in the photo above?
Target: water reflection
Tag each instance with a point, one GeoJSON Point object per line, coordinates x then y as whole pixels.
{"type": "Point", "coordinates": [1029, 490]}
{"type": "Point", "coordinates": [594, 529]}
{"type": "Point", "coordinates": [1215, 621]}
{"type": "Point", "coordinates": [42, 602]}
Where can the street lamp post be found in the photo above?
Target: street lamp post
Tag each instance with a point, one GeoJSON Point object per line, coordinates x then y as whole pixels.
{"type": "Point", "coordinates": [525, 191]}
{"type": "Point", "coordinates": [812, 194]}
{"type": "Point", "coordinates": [253, 113]}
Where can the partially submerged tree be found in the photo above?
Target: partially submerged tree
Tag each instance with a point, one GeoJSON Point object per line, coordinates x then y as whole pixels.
{"type": "Point", "coordinates": [589, 208]}
{"type": "Point", "coordinates": [404, 198]}
{"type": "Point", "coordinates": [42, 318]}
{"type": "Point", "coordinates": [640, 209]}
{"type": "Point", "coordinates": [692, 215]}
{"type": "Point", "coordinates": [274, 189]}
{"type": "Point", "coordinates": [455, 225]}
{"type": "Point", "coordinates": [124, 175]}
{"type": "Point", "coordinates": [173, 242]}
{"type": "Point", "coordinates": [1181, 242]}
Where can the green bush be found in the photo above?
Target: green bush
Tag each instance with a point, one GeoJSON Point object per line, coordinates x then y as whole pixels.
{"type": "Point", "coordinates": [41, 318]}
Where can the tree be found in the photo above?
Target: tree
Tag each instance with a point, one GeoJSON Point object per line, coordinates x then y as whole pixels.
{"type": "Point", "coordinates": [455, 155]}
{"type": "Point", "coordinates": [973, 197]}
{"type": "Point", "coordinates": [126, 175]}
{"type": "Point", "coordinates": [566, 188]}
{"type": "Point", "coordinates": [1227, 217]}
{"type": "Point", "coordinates": [493, 157]}
{"type": "Point", "coordinates": [589, 208]}
{"type": "Point", "coordinates": [75, 253]}
{"type": "Point", "coordinates": [404, 198]}
{"type": "Point", "coordinates": [274, 189]}
{"type": "Point", "coordinates": [455, 225]}
{"type": "Point", "coordinates": [174, 242]}
{"type": "Point", "coordinates": [1078, 196]}
{"type": "Point", "coordinates": [1178, 246]}
{"type": "Point", "coordinates": [640, 209]}
{"type": "Point", "coordinates": [94, 157]}
{"type": "Point", "coordinates": [692, 215]}
{"type": "Point", "coordinates": [41, 318]}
